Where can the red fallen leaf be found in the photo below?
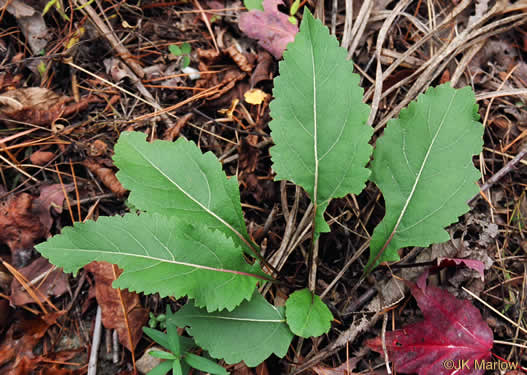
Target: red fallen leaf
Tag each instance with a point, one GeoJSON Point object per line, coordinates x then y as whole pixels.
{"type": "Point", "coordinates": [271, 28]}
{"type": "Point", "coordinates": [452, 330]}
{"type": "Point", "coordinates": [470, 263]}
{"type": "Point", "coordinates": [112, 311]}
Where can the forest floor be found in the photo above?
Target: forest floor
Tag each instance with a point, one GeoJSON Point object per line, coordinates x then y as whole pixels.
{"type": "Point", "coordinates": [98, 68]}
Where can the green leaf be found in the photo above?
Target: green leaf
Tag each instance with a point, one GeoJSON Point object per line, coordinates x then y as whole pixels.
{"type": "Point", "coordinates": [185, 62]}
{"type": "Point", "coordinates": [176, 367]}
{"type": "Point", "coordinates": [204, 364]}
{"type": "Point", "coordinates": [176, 179]}
{"type": "Point", "coordinates": [175, 50]}
{"type": "Point", "coordinates": [161, 354]}
{"type": "Point", "coordinates": [185, 48]}
{"type": "Point", "coordinates": [158, 336]}
{"type": "Point", "coordinates": [423, 166]}
{"type": "Point", "coordinates": [173, 335]}
{"type": "Point", "coordinates": [250, 333]}
{"type": "Point", "coordinates": [319, 121]}
{"type": "Point", "coordinates": [161, 369]}
{"type": "Point", "coordinates": [253, 4]}
{"type": "Point", "coordinates": [307, 315]}
{"type": "Point", "coordinates": [159, 255]}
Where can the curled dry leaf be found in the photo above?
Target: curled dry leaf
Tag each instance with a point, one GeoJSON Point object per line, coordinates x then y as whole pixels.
{"type": "Point", "coordinates": [97, 148]}
{"type": "Point", "coordinates": [25, 219]}
{"type": "Point", "coordinates": [106, 175]}
{"type": "Point", "coordinates": [239, 58]}
{"type": "Point", "coordinates": [31, 23]}
{"type": "Point", "coordinates": [112, 310]}
{"type": "Point", "coordinates": [271, 27]}
{"type": "Point", "coordinates": [22, 336]}
{"type": "Point", "coordinates": [173, 132]}
{"type": "Point", "coordinates": [41, 157]}
{"type": "Point", "coordinates": [38, 106]}
{"type": "Point", "coordinates": [19, 226]}
{"type": "Point", "coordinates": [46, 278]}
{"type": "Point", "coordinates": [263, 70]}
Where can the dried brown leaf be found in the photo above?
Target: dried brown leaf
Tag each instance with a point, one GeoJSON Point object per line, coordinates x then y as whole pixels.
{"type": "Point", "coordinates": [47, 281]}
{"type": "Point", "coordinates": [41, 157]}
{"type": "Point", "coordinates": [106, 175]}
{"type": "Point", "coordinates": [38, 106]}
{"type": "Point", "coordinates": [112, 310]}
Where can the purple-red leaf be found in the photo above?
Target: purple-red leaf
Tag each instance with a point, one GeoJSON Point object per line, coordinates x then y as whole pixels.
{"type": "Point", "coordinates": [271, 28]}
{"type": "Point", "coordinates": [452, 330]}
{"type": "Point", "coordinates": [470, 263]}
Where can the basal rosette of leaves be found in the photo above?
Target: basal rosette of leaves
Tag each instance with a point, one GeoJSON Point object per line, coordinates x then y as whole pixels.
{"type": "Point", "coordinates": [190, 237]}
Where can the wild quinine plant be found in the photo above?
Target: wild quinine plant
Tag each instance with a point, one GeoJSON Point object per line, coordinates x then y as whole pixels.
{"type": "Point", "coordinates": [190, 238]}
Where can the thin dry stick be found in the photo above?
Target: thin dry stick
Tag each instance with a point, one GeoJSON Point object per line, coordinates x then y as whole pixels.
{"type": "Point", "coordinates": [502, 172]}
{"type": "Point", "coordinates": [360, 25]}
{"type": "Point", "coordinates": [380, 41]}
{"type": "Point", "coordinates": [18, 169]}
{"type": "Point", "coordinates": [437, 63]}
{"type": "Point", "coordinates": [110, 36]}
{"type": "Point", "coordinates": [341, 273]}
{"type": "Point", "coordinates": [92, 363]}
{"type": "Point", "coordinates": [348, 23]}
{"type": "Point", "coordinates": [458, 9]}
{"type": "Point", "coordinates": [135, 71]}
{"type": "Point", "coordinates": [383, 341]}
{"type": "Point", "coordinates": [207, 23]}
{"type": "Point", "coordinates": [500, 93]}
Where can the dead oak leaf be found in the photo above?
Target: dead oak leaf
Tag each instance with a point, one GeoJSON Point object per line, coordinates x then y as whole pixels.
{"type": "Point", "coordinates": [271, 27]}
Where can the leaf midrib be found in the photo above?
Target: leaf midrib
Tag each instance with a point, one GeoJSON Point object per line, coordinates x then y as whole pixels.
{"type": "Point", "coordinates": [423, 164]}
{"type": "Point", "coordinates": [192, 198]}
{"type": "Point", "coordinates": [315, 128]}
{"type": "Point", "coordinates": [162, 260]}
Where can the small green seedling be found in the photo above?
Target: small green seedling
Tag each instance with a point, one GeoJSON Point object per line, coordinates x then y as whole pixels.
{"type": "Point", "coordinates": [179, 359]}
{"type": "Point", "coordinates": [155, 320]}
{"type": "Point", "coordinates": [184, 51]}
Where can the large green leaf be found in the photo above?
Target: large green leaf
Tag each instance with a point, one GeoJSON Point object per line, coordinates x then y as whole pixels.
{"type": "Point", "coordinates": [177, 179]}
{"type": "Point", "coordinates": [159, 255]}
{"type": "Point", "coordinates": [307, 315]}
{"type": "Point", "coordinates": [250, 333]}
{"type": "Point", "coordinates": [423, 166]}
{"type": "Point", "coordinates": [319, 121]}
